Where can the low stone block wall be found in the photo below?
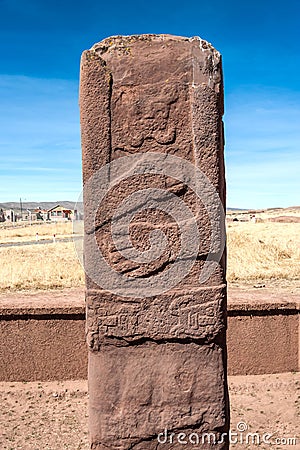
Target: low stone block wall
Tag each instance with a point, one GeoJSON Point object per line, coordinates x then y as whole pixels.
{"type": "Point", "coordinates": [42, 337]}
{"type": "Point", "coordinates": [263, 339]}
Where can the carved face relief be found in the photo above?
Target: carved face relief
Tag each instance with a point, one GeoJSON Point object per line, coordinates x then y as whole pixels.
{"type": "Point", "coordinates": [143, 116]}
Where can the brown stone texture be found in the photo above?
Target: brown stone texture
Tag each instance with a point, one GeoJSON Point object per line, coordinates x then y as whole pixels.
{"type": "Point", "coordinates": [155, 361]}
{"type": "Point", "coordinates": [178, 314]}
{"type": "Point", "coordinates": [262, 338]}
{"type": "Point", "coordinates": [42, 336]}
{"type": "Point", "coordinates": [263, 333]}
{"type": "Point", "coordinates": [137, 392]}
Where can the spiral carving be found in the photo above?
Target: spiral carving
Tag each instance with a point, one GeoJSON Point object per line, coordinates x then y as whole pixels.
{"type": "Point", "coordinates": [130, 243]}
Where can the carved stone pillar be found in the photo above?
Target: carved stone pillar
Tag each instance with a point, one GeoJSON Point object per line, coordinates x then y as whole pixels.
{"type": "Point", "coordinates": [154, 192]}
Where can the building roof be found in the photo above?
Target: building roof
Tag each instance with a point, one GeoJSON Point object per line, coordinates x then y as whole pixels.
{"type": "Point", "coordinates": [59, 208]}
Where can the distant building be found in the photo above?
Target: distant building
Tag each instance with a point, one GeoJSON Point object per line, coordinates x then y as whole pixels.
{"type": "Point", "coordinates": [2, 215]}
{"type": "Point", "coordinates": [60, 214]}
{"type": "Point", "coordinates": [34, 215]}
{"type": "Point", "coordinates": [40, 214]}
{"type": "Point", "coordinates": [10, 215]}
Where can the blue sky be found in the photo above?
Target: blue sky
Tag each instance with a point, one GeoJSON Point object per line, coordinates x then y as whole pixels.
{"type": "Point", "coordinates": [41, 44]}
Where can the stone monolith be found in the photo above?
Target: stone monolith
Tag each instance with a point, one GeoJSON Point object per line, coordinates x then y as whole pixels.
{"type": "Point", "coordinates": [154, 248]}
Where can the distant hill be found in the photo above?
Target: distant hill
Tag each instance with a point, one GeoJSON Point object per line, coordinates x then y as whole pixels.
{"type": "Point", "coordinates": [34, 205]}
{"type": "Point", "coordinates": [236, 209]}
{"type": "Point", "coordinates": [71, 205]}
{"type": "Point", "coordinates": [289, 208]}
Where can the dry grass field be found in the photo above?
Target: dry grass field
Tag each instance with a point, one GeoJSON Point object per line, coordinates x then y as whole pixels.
{"type": "Point", "coordinates": [20, 232]}
{"type": "Point", "coordinates": [263, 251]}
{"type": "Point", "coordinates": [38, 266]}
{"type": "Point", "coordinates": [257, 252]}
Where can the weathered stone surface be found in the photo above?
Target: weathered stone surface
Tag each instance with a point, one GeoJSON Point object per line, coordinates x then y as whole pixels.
{"type": "Point", "coordinates": [179, 314]}
{"type": "Point", "coordinates": [155, 325]}
{"type": "Point", "coordinates": [137, 392]}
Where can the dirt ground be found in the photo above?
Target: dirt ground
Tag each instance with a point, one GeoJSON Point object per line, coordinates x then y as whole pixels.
{"type": "Point", "coordinates": [271, 291]}
{"type": "Point", "coordinates": [53, 415]}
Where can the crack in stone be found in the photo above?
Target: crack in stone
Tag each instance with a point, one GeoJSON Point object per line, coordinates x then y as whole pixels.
{"type": "Point", "coordinates": [109, 153]}
{"type": "Point", "coordinates": [153, 437]}
{"type": "Point", "coordinates": [111, 341]}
